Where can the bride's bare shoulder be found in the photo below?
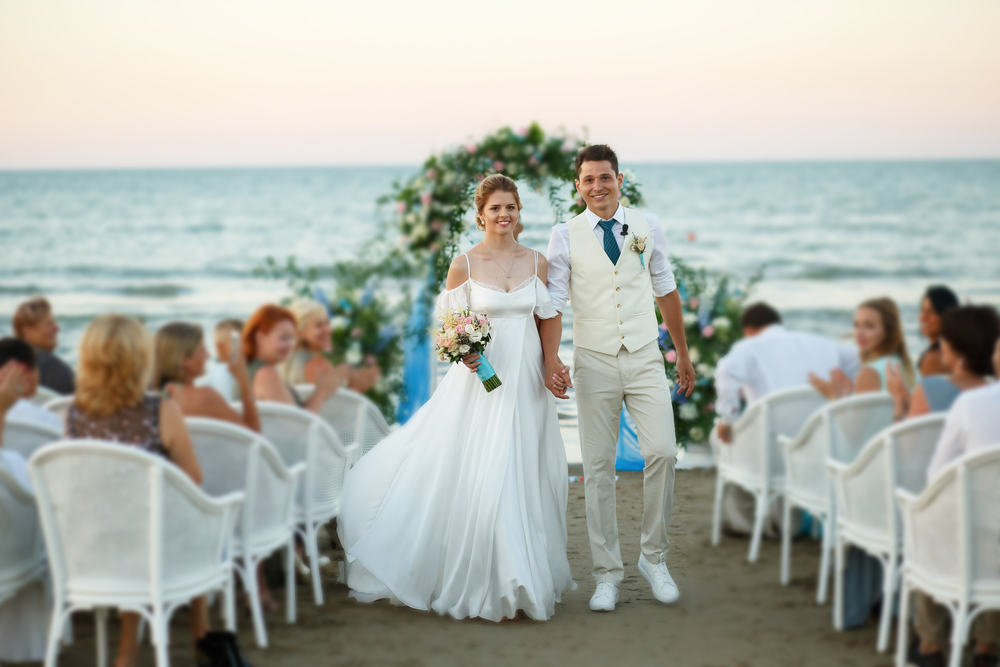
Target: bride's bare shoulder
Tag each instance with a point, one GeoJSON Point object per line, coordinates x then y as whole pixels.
{"type": "Point", "coordinates": [458, 272]}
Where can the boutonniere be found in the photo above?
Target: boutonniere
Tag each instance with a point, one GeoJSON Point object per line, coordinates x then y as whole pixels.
{"type": "Point", "coordinates": [639, 246]}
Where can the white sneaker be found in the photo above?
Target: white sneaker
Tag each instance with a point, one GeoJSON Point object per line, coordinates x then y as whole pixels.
{"type": "Point", "coordinates": [664, 588]}
{"type": "Point", "coordinates": [605, 597]}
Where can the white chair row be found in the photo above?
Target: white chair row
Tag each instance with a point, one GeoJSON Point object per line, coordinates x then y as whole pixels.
{"type": "Point", "coordinates": [354, 417]}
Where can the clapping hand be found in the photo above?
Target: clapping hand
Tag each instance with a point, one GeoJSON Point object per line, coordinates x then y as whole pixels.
{"type": "Point", "coordinates": [895, 385]}
{"type": "Point", "coordinates": [13, 377]}
{"type": "Point", "coordinates": [838, 386]}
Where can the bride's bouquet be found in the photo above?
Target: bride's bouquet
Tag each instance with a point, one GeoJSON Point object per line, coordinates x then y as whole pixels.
{"type": "Point", "coordinates": [463, 333]}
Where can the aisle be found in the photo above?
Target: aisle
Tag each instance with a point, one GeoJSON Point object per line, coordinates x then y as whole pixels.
{"type": "Point", "coordinates": [730, 613]}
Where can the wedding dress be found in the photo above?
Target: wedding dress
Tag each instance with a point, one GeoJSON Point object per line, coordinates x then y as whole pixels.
{"type": "Point", "coordinates": [463, 509]}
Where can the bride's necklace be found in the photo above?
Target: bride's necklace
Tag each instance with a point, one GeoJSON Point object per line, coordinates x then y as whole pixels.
{"type": "Point", "coordinates": [493, 257]}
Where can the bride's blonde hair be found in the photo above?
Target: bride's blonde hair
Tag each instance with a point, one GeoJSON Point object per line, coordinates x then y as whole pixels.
{"type": "Point", "coordinates": [489, 185]}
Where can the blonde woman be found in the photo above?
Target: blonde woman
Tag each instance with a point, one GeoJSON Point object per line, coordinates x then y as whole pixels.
{"type": "Point", "coordinates": [308, 362]}
{"type": "Point", "coordinates": [115, 360]}
{"type": "Point", "coordinates": [180, 359]}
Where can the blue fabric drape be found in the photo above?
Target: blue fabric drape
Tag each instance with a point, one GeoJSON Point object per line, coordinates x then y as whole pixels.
{"type": "Point", "coordinates": [417, 353]}
{"type": "Point", "coordinates": [629, 456]}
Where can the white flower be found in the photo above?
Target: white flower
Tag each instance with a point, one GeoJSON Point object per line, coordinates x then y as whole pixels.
{"type": "Point", "coordinates": [475, 337]}
{"type": "Point", "coordinates": [721, 323]}
{"type": "Point", "coordinates": [625, 201]}
{"type": "Point", "coordinates": [470, 328]}
{"type": "Point", "coordinates": [697, 434]}
{"type": "Point", "coordinates": [339, 323]}
{"type": "Point", "coordinates": [705, 370]}
{"type": "Point", "coordinates": [690, 319]}
{"type": "Point", "coordinates": [688, 411]}
{"type": "Point", "coordinates": [694, 354]}
{"type": "Point", "coordinates": [464, 349]}
{"type": "Point", "coordinates": [354, 356]}
{"type": "Point", "coordinates": [420, 232]}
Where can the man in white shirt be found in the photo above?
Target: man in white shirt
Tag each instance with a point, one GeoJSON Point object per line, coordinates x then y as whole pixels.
{"type": "Point", "coordinates": [768, 359]}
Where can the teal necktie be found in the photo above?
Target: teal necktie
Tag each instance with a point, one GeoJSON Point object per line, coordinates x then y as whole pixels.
{"type": "Point", "coordinates": [610, 243]}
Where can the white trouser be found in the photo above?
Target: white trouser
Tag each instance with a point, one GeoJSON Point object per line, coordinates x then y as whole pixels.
{"type": "Point", "coordinates": [602, 381]}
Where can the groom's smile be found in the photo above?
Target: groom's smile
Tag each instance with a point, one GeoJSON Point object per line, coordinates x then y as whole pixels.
{"type": "Point", "coordinates": [598, 184]}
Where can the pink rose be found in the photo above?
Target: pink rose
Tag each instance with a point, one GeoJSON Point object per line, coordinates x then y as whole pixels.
{"type": "Point", "coordinates": [532, 160]}
{"type": "Point", "coordinates": [426, 198]}
{"type": "Point", "coordinates": [694, 303]}
{"type": "Point", "coordinates": [431, 174]}
{"type": "Point", "coordinates": [356, 332]}
{"type": "Point", "coordinates": [401, 206]}
{"type": "Point", "coordinates": [370, 360]}
{"type": "Point", "coordinates": [708, 331]}
{"type": "Point", "coordinates": [471, 149]}
{"type": "Point", "coordinates": [710, 407]}
{"type": "Point", "coordinates": [523, 131]}
{"type": "Point", "coordinates": [670, 356]}
{"type": "Point", "coordinates": [436, 226]}
{"type": "Point", "coordinates": [663, 326]}
{"type": "Point", "coordinates": [498, 165]}
{"type": "Point", "coordinates": [470, 320]}
{"type": "Point", "coordinates": [434, 247]}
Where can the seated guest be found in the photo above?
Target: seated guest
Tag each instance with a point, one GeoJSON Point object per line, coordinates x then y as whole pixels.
{"type": "Point", "coordinates": [17, 350]}
{"type": "Point", "coordinates": [180, 359]}
{"type": "Point", "coordinates": [268, 338]}
{"type": "Point", "coordinates": [936, 302]}
{"type": "Point", "coordinates": [35, 324]}
{"type": "Point", "coordinates": [768, 359]}
{"type": "Point", "coordinates": [973, 422]}
{"type": "Point", "coordinates": [878, 332]}
{"type": "Point", "coordinates": [24, 617]}
{"type": "Point", "coordinates": [966, 340]}
{"type": "Point", "coordinates": [307, 361]}
{"type": "Point", "coordinates": [116, 355]}
{"type": "Point", "coordinates": [226, 339]}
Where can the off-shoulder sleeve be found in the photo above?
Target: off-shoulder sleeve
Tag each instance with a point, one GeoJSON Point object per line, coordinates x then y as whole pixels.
{"type": "Point", "coordinates": [544, 307]}
{"type": "Point", "coordinates": [450, 299]}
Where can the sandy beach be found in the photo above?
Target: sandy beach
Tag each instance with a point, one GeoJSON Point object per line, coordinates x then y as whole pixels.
{"type": "Point", "coordinates": [730, 612]}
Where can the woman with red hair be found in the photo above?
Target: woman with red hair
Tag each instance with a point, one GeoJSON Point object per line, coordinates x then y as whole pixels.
{"type": "Point", "coordinates": [268, 338]}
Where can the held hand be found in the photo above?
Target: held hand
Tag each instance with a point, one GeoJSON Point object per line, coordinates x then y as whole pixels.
{"type": "Point", "coordinates": [557, 378]}
{"type": "Point", "coordinates": [471, 361]}
{"type": "Point", "coordinates": [725, 433]}
{"type": "Point", "coordinates": [685, 374]}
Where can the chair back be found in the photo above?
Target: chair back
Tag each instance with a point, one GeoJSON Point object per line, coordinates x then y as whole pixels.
{"type": "Point", "coordinates": [60, 406]}
{"type": "Point", "coordinates": [43, 395]}
{"type": "Point", "coordinates": [119, 521]}
{"type": "Point", "coordinates": [855, 420]}
{"type": "Point", "coordinates": [235, 459]}
{"type": "Point", "coordinates": [755, 451]}
{"type": "Point", "coordinates": [22, 556]}
{"type": "Point", "coordinates": [302, 437]}
{"type": "Point", "coordinates": [24, 437]}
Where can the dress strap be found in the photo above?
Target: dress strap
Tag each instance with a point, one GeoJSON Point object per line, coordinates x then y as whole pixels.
{"type": "Point", "coordinates": [468, 264]}
{"type": "Point", "coordinates": [536, 262]}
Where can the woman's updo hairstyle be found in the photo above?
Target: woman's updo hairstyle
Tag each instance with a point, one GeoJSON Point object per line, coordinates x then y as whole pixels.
{"type": "Point", "coordinates": [489, 185]}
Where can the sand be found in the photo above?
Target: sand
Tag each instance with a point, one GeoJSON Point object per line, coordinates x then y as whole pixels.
{"type": "Point", "coordinates": [730, 612]}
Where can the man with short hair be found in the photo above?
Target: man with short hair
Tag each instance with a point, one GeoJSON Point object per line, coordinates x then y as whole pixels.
{"type": "Point", "coordinates": [34, 322]}
{"type": "Point", "coordinates": [768, 359]}
{"type": "Point", "coordinates": [612, 262]}
{"type": "Point", "coordinates": [20, 352]}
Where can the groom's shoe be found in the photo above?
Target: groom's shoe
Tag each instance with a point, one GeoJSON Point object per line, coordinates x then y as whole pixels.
{"type": "Point", "coordinates": [664, 588]}
{"type": "Point", "coordinates": [605, 597]}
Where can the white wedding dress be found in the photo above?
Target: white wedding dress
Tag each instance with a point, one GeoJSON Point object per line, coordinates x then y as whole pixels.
{"type": "Point", "coordinates": [463, 509]}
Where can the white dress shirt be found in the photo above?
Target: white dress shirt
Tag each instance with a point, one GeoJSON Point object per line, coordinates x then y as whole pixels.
{"type": "Point", "coordinates": [660, 271]}
{"type": "Point", "coordinates": [773, 360]}
{"type": "Point", "coordinates": [973, 422]}
{"type": "Point", "coordinates": [26, 411]}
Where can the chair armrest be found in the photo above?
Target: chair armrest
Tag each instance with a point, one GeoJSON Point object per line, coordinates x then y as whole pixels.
{"type": "Point", "coordinates": [748, 418]}
{"type": "Point", "coordinates": [905, 498]}
{"type": "Point", "coordinates": [298, 470]}
{"type": "Point", "coordinates": [785, 442]}
{"type": "Point", "coordinates": [353, 453]}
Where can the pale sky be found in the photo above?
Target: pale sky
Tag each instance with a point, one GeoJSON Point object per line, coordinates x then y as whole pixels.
{"type": "Point", "coordinates": [120, 83]}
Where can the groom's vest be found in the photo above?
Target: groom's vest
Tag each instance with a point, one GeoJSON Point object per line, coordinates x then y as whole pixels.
{"type": "Point", "coordinates": [612, 303]}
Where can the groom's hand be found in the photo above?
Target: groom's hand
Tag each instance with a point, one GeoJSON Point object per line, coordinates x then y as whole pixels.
{"type": "Point", "coordinates": [557, 379]}
{"type": "Point", "coordinates": [685, 374]}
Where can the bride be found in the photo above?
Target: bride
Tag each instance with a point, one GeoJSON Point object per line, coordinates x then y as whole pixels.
{"type": "Point", "coordinates": [463, 510]}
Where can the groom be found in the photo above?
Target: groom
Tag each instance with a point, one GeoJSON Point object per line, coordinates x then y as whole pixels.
{"type": "Point", "coordinates": [611, 263]}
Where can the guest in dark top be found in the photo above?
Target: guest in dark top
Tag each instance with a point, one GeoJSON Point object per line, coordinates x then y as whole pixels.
{"type": "Point", "coordinates": [937, 300]}
{"type": "Point", "coordinates": [111, 403]}
{"type": "Point", "coordinates": [34, 323]}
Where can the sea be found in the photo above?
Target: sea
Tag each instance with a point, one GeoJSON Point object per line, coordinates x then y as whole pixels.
{"type": "Point", "coordinates": [166, 244]}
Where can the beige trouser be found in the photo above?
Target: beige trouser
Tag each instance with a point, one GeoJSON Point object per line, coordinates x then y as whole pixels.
{"type": "Point", "coordinates": [602, 381]}
{"type": "Point", "coordinates": [933, 623]}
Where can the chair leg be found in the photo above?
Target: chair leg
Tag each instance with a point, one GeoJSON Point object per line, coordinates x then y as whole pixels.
{"type": "Point", "coordinates": [720, 487]}
{"type": "Point", "coordinates": [838, 584]}
{"type": "Point", "coordinates": [59, 616]}
{"type": "Point", "coordinates": [160, 634]}
{"type": "Point", "coordinates": [290, 579]}
{"type": "Point", "coordinates": [903, 631]}
{"type": "Point", "coordinates": [959, 633]}
{"type": "Point", "coordinates": [312, 550]}
{"type": "Point", "coordinates": [888, 594]}
{"type": "Point", "coordinates": [786, 543]}
{"type": "Point", "coordinates": [101, 621]}
{"type": "Point", "coordinates": [763, 502]}
{"type": "Point", "coordinates": [250, 583]}
{"type": "Point", "coordinates": [824, 560]}
{"type": "Point", "coordinates": [229, 603]}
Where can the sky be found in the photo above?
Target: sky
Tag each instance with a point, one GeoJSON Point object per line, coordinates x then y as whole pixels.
{"type": "Point", "coordinates": [119, 83]}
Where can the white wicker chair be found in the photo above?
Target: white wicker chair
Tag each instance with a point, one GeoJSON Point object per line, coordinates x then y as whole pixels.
{"type": "Point", "coordinates": [302, 437]}
{"type": "Point", "coordinates": [43, 395]}
{"type": "Point", "coordinates": [233, 458]}
{"type": "Point", "coordinates": [951, 544]}
{"type": "Point", "coordinates": [25, 437]}
{"type": "Point", "coordinates": [837, 431]}
{"type": "Point", "coordinates": [866, 514]}
{"type": "Point", "coordinates": [60, 406]}
{"type": "Point", "coordinates": [753, 461]}
{"type": "Point", "coordinates": [355, 418]}
{"type": "Point", "coordinates": [127, 529]}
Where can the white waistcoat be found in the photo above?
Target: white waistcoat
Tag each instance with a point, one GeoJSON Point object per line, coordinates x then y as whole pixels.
{"type": "Point", "coordinates": [612, 303]}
